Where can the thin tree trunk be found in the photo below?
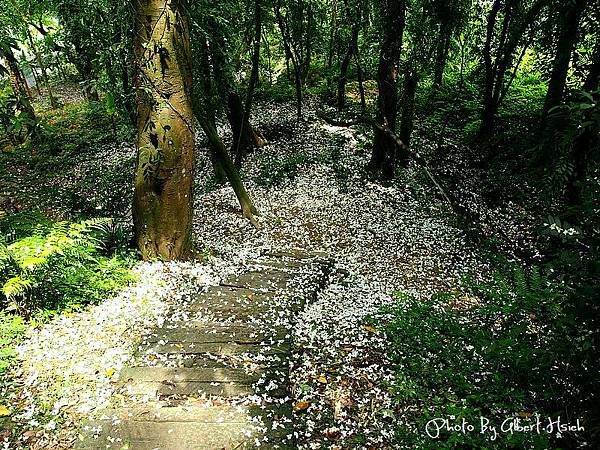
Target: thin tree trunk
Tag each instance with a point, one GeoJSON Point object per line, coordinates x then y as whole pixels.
{"type": "Point", "coordinates": [35, 80]}
{"type": "Point", "coordinates": [361, 87]}
{"type": "Point", "coordinates": [290, 56]}
{"type": "Point", "coordinates": [332, 36]}
{"type": "Point", "coordinates": [222, 163]}
{"type": "Point", "coordinates": [53, 102]}
{"type": "Point", "coordinates": [408, 106]}
{"type": "Point", "coordinates": [341, 97]}
{"type": "Point", "coordinates": [442, 50]}
{"type": "Point", "coordinates": [163, 204]}
{"type": "Point", "coordinates": [495, 72]}
{"type": "Point", "coordinates": [567, 38]}
{"type": "Point", "coordinates": [240, 150]}
{"type": "Point", "coordinates": [268, 50]}
{"type": "Point", "coordinates": [223, 160]}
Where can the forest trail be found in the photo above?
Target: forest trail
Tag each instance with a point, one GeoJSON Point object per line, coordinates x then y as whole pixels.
{"type": "Point", "coordinates": [216, 373]}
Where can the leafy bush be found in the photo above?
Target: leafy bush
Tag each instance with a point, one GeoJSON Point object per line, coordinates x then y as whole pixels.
{"type": "Point", "coordinates": [16, 123]}
{"type": "Point", "coordinates": [60, 266]}
{"type": "Point", "coordinates": [505, 349]}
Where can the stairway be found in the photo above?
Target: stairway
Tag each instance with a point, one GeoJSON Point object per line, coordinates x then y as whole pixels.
{"type": "Point", "coordinates": [215, 375]}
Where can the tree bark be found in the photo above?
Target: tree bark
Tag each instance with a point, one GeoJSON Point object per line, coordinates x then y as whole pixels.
{"type": "Point", "coordinates": [163, 203]}
{"type": "Point", "coordinates": [383, 159]}
{"type": "Point", "coordinates": [567, 38]}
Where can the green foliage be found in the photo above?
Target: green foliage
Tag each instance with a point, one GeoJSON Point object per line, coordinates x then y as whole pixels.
{"type": "Point", "coordinates": [15, 121]}
{"type": "Point", "coordinates": [22, 224]}
{"type": "Point", "coordinates": [568, 123]}
{"type": "Point", "coordinates": [492, 352]}
{"type": "Point", "coordinates": [11, 330]}
{"type": "Point", "coordinates": [61, 266]}
{"type": "Point", "coordinates": [273, 170]}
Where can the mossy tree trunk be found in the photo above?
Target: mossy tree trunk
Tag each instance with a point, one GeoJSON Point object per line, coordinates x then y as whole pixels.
{"type": "Point", "coordinates": [163, 206]}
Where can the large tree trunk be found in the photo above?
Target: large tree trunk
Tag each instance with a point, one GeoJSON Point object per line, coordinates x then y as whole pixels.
{"type": "Point", "coordinates": [163, 206]}
{"type": "Point", "coordinates": [383, 159]}
{"type": "Point", "coordinates": [567, 38]}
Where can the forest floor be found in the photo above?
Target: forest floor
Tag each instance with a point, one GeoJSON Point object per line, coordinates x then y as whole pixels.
{"type": "Point", "coordinates": [310, 186]}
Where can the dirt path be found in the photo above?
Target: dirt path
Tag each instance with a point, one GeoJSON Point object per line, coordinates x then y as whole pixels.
{"type": "Point", "coordinates": [216, 373]}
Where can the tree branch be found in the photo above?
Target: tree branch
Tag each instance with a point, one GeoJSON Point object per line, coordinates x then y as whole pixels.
{"type": "Point", "coordinates": [366, 120]}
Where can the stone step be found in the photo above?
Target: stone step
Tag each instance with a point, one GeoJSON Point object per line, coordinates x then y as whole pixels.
{"type": "Point", "coordinates": [215, 348]}
{"type": "Point", "coordinates": [298, 254]}
{"type": "Point", "coordinates": [277, 361]}
{"type": "Point", "coordinates": [289, 265]}
{"type": "Point", "coordinates": [164, 382]}
{"type": "Point", "coordinates": [260, 280]}
{"type": "Point", "coordinates": [152, 426]}
{"type": "Point", "coordinates": [199, 364]}
{"type": "Point", "coordinates": [201, 333]}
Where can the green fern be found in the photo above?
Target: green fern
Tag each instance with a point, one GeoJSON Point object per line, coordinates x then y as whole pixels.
{"type": "Point", "coordinates": [59, 266]}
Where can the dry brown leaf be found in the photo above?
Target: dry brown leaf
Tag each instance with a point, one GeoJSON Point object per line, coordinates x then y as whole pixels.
{"type": "Point", "coordinates": [301, 406]}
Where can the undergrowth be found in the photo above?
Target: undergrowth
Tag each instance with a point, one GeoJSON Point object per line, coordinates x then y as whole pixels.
{"type": "Point", "coordinates": [49, 268]}
{"type": "Point", "coordinates": [504, 350]}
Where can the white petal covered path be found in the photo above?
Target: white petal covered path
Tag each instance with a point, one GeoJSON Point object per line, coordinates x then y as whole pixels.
{"type": "Point", "coordinates": [215, 375]}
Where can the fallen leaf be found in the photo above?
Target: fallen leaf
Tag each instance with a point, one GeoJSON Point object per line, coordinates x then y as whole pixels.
{"type": "Point", "coordinates": [4, 411]}
{"type": "Point", "coordinates": [322, 380]}
{"type": "Point", "coordinates": [369, 328]}
{"type": "Point", "coordinates": [301, 406]}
